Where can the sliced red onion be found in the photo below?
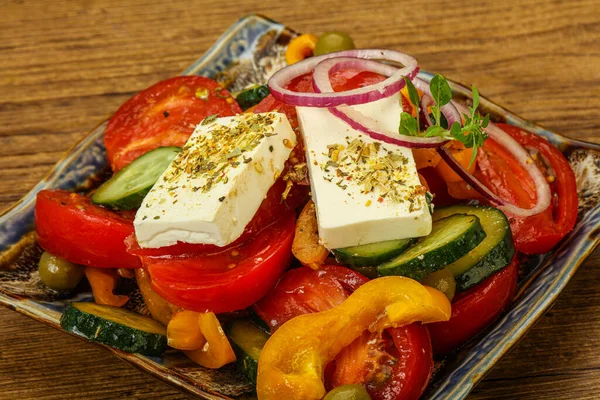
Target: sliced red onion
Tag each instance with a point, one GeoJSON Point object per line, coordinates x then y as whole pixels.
{"type": "Point", "coordinates": [426, 102]}
{"type": "Point", "coordinates": [543, 193]}
{"type": "Point", "coordinates": [367, 94]}
{"type": "Point", "coordinates": [353, 117]}
{"type": "Point", "coordinates": [470, 179]}
{"type": "Point", "coordinates": [362, 123]}
{"type": "Point", "coordinates": [449, 110]}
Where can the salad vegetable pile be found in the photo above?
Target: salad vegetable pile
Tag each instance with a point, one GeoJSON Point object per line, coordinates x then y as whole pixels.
{"type": "Point", "coordinates": [330, 232]}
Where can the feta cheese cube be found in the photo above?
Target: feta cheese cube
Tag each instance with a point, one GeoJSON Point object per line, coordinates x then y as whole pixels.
{"type": "Point", "coordinates": [217, 182]}
{"type": "Point", "coordinates": [365, 191]}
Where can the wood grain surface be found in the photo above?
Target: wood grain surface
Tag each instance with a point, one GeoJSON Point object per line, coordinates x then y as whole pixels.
{"type": "Point", "coordinates": [66, 65]}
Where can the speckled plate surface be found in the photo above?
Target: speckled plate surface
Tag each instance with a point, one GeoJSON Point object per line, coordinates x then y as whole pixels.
{"type": "Point", "coordinates": [248, 52]}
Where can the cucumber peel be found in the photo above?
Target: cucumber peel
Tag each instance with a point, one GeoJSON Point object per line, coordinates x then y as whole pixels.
{"type": "Point", "coordinates": [494, 253]}
{"type": "Point", "coordinates": [450, 239]}
{"type": "Point", "coordinates": [247, 341]}
{"type": "Point", "coordinates": [128, 187]}
{"type": "Point", "coordinates": [373, 254]}
{"type": "Point", "coordinates": [115, 327]}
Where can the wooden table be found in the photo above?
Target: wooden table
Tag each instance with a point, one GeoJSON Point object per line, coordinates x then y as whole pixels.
{"type": "Point", "coordinates": [66, 65]}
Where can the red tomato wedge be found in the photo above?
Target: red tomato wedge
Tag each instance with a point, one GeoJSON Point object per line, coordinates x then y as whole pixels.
{"type": "Point", "coordinates": [227, 281]}
{"type": "Point", "coordinates": [69, 226]}
{"type": "Point", "coordinates": [165, 114]}
{"type": "Point", "coordinates": [272, 207]}
{"type": "Point", "coordinates": [475, 309]}
{"type": "Point", "coordinates": [498, 170]}
{"type": "Point", "coordinates": [304, 290]}
{"type": "Point", "coordinates": [396, 364]}
{"type": "Point", "coordinates": [540, 233]}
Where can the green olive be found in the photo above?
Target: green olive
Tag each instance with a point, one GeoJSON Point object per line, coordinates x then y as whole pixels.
{"type": "Point", "coordinates": [59, 274]}
{"type": "Point", "coordinates": [348, 392]}
{"type": "Point", "coordinates": [330, 42]}
{"type": "Point", "coordinates": [442, 280]}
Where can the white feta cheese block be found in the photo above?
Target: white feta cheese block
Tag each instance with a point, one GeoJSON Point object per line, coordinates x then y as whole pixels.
{"type": "Point", "coordinates": [217, 182]}
{"type": "Point", "coordinates": [365, 191]}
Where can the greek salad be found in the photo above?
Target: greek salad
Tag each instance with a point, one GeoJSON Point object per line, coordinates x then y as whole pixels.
{"type": "Point", "coordinates": [330, 232]}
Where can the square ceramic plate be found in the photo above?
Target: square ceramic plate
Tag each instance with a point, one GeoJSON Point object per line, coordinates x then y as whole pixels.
{"type": "Point", "coordinates": [249, 52]}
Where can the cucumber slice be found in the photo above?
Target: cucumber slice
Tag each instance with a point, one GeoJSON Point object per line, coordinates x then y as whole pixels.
{"type": "Point", "coordinates": [450, 239]}
{"type": "Point", "coordinates": [372, 254]}
{"type": "Point", "coordinates": [122, 329]}
{"type": "Point", "coordinates": [247, 341]}
{"type": "Point", "coordinates": [494, 253]}
{"type": "Point", "coordinates": [256, 320]}
{"type": "Point", "coordinates": [252, 96]}
{"type": "Point", "coordinates": [128, 187]}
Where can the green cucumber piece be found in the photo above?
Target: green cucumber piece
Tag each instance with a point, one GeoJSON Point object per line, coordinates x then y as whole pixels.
{"type": "Point", "coordinates": [442, 280]}
{"type": "Point", "coordinates": [494, 253]}
{"type": "Point", "coordinates": [128, 187]}
{"type": "Point", "coordinates": [368, 255]}
{"type": "Point", "coordinates": [252, 96]}
{"type": "Point", "coordinates": [247, 341]}
{"type": "Point", "coordinates": [115, 327]}
{"type": "Point", "coordinates": [450, 239]}
{"type": "Point", "coordinates": [256, 320]}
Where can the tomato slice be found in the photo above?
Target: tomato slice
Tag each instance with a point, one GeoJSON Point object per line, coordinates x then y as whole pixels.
{"type": "Point", "coordinates": [229, 280]}
{"type": "Point", "coordinates": [304, 290]}
{"type": "Point", "coordinates": [501, 173]}
{"type": "Point", "coordinates": [394, 364]}
{"type": "Point", "coordinates": [165, 114]}
{"type": "Point", "coordinates": [540, 233]}
{"type": "Point", "coordinates": [475, 309]}
{"type": "Point", "coordinates": [504, 175]}
{"type": "Point", "coordinates": [69, 226]}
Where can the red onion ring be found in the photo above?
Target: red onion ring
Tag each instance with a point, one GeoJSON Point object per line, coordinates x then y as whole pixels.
{"type": "Point", "coordinates": [362, 123]}
{"type": "Point", "coordinates": [543, 193]}
{"type": "Point", "coordinates": [426, 101]}
{"type": "Point", "coordinates": [449, 110]}
{"type": "Point", "coordinates": [367, 94]}
{"type": "Point", "coordinates": [356, 119]}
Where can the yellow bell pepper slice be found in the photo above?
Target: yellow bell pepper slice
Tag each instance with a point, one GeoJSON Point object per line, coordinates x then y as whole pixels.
{"type": "Point", "coordinates": [159, 308]}
{"type": "Point", "coordinates": [103, 282]}
{"type": "Point", "coordinates": [183, 331]}
{"type": "Point", "coordinates": [217, 350]}
{"type": "Point", "coordinates": [306, 247]}
{"type": "Point", "coordinates": [292, 362]}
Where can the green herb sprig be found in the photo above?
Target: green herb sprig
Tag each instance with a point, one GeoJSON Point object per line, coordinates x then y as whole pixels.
{"type": "Point", "coordinates": [471, 134]}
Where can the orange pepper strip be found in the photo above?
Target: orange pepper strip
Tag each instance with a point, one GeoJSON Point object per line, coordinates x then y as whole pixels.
{"type": "Point", "coordinates": [250, 110]}
{"type": "Point", "coordinates": [426, 158]}
{"type": "Point", "coordinates": [159, 308]}
{"type": "Point", "coordinates": [300, 47]}
{"type": "Point", "coordinates": [217, 350]}
{"type": "Point", "coordinates": [183, 331]}
{"type": "Point", "coordinates": [292, 362]}
{"type": "Point", "coordinates": [463, 191]}
{"type": "Point", "coordinates": [462, 155]}
{"type": "Point", "coordinates": [306, 247]}
{"type": "Point", "coordinates": [103, 281]}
